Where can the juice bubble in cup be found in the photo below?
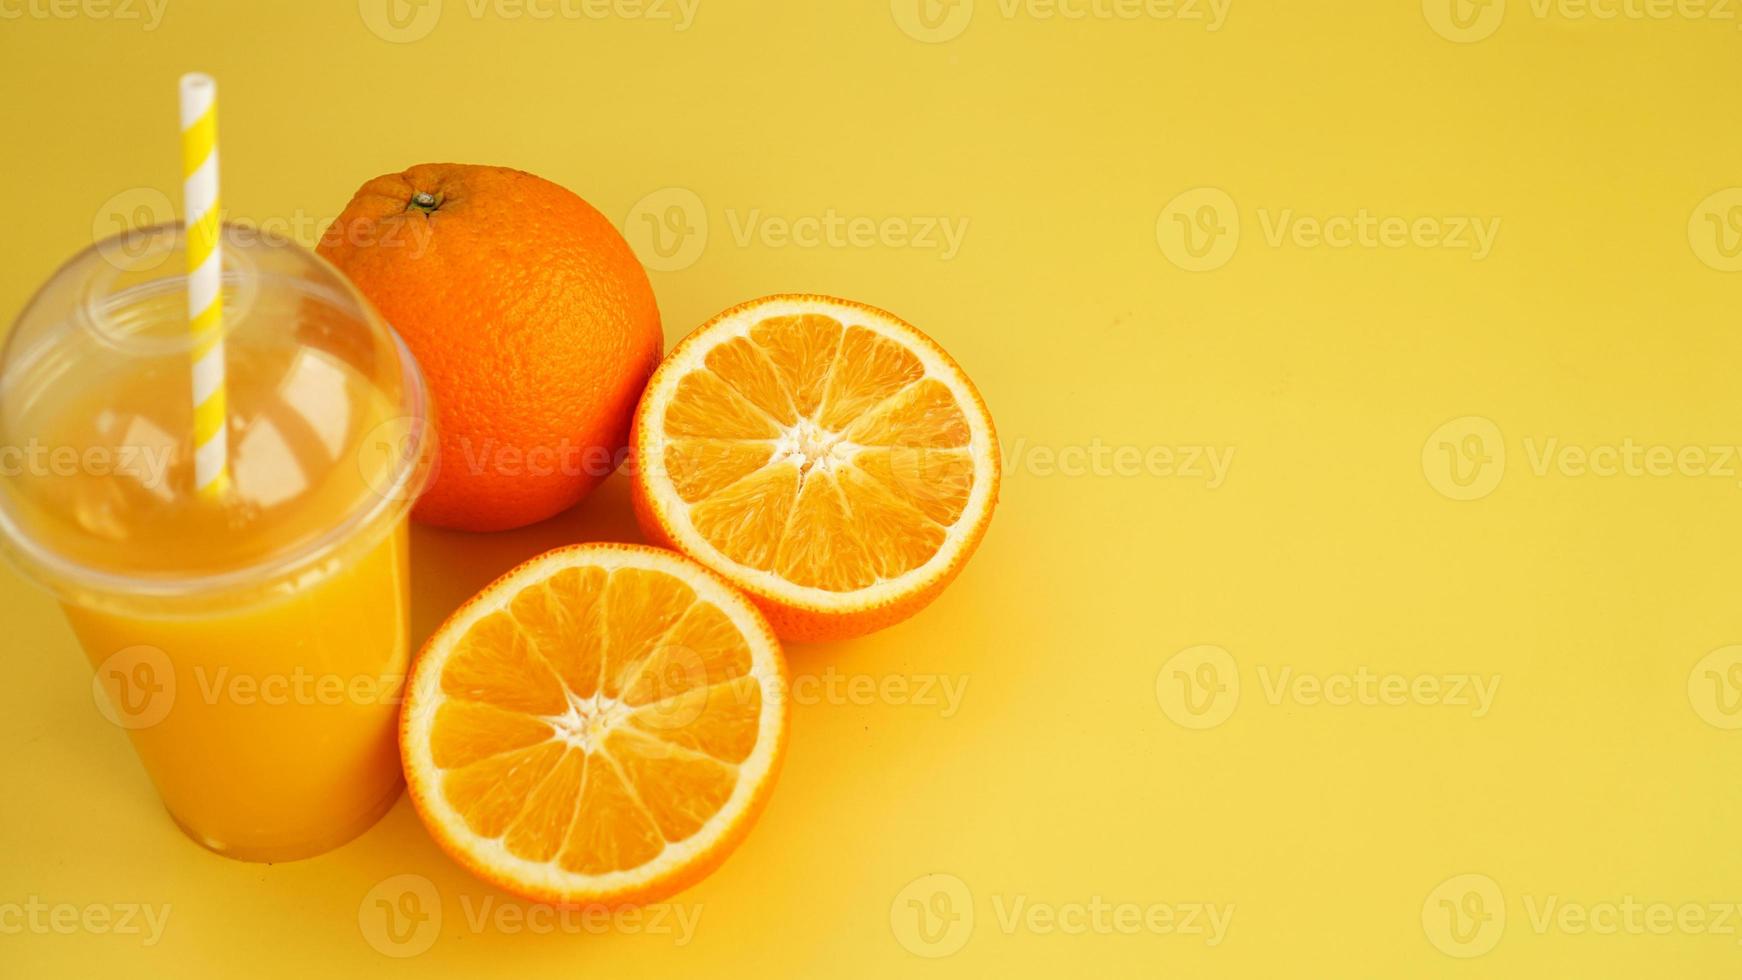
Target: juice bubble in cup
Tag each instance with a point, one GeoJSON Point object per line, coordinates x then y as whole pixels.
{"type": "Point", "coordinates": [253, 644]}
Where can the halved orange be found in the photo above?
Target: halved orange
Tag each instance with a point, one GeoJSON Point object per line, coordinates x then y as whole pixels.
{"type": "Point", "coordinates": [602, 724]}
{"type": "Point", "coordinates": [823, 455]}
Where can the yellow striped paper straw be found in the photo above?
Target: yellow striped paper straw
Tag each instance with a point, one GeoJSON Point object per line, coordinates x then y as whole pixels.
{"type": "Point", "coordinates": [199, 169]}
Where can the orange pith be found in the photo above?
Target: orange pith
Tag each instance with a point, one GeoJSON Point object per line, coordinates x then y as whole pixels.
{"type": "Point", "coordinates": [823, 455]}
{"type": "Point", "coordinates": [600, 725]}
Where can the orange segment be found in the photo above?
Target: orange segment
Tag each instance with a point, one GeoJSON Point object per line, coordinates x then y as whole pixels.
{"type": "Point", "coordinates": [679, 788]}
{"type": "Point", "coordinates": [537, 834]}
{"type": "Point", "coordinates": [586, 712]}
{"type": "Point", "coordinates": [710, 408]}
{"type": "Point", "coordinates": [925, 415]}
{"type": "Point", "coordinates": [937, 481]}
{"type": "Point", "coordinates": [719, 721]}
{"type": "Point", "coordinates": [498, 665]}
{"type": "Point", "coordinates": [611, 829]}
{"type": "Point", "coordinates": [869, 371]}
{"type": "Point", "coordinates": [802, 349]}
{"type": "Point", "coordinates": [640, 607]}
{"type": "Point", "coordinates": [747, 520]}
{"type": "Point", "coordinates": [897, 537]}
{"type": "Point", "coordinates": [469, 731]}
{"type": "Point", "coordinates": [703, 649]}
{"type": "Point", "coordinates": [560, 618]}
{"type": "Point", "coordinates": [857, 492]}
{"type": "Point", "coordinates": [490, 793]}
{"type": "Point", "coordinates": [702, 467]}
{"type": "Point", "coordinates": [750, 373]}
{"type": "Point", "coordinates": [822, 547]}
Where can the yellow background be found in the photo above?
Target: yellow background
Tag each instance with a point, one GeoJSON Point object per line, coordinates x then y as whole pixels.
{"type": "Point", "coordinates": [1602, 770]}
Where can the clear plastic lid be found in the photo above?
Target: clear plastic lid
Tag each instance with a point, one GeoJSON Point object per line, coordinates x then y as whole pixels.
{"type": "Point", "coordinates": [328, 427]}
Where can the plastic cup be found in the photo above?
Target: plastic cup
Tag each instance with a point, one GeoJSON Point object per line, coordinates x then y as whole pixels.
{"type": "Point", "coordinates": [254, 646]}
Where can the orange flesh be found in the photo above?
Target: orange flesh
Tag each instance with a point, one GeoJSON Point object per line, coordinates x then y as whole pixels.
{"type": "Point", "coordinates": [597, 718]}
{"type": "Point", "coordinates": [820, 453]}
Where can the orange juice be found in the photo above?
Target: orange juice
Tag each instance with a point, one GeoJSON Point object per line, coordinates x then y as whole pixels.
{"type": "Point", "coordinates": [254, 647]}
{"type": "Point", "coordinates": [268, 730]}
{"type": "Point", "coordinates": [307, 677]}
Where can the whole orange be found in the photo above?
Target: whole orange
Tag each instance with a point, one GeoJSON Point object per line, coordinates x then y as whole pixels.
{"type": "Point", "coordinates": [534, 323]}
